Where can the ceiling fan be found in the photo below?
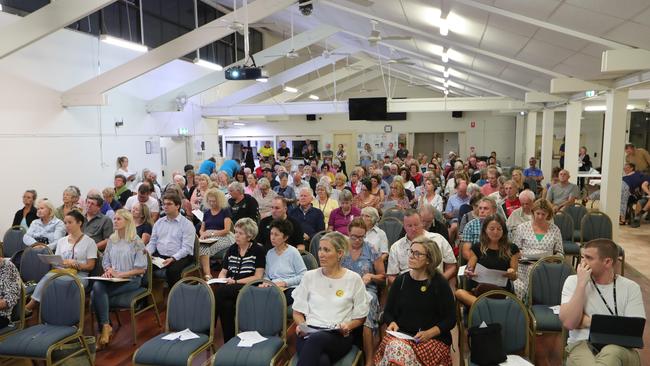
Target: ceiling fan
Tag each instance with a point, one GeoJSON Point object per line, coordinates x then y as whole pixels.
{"type": "Point", "coordinates": [363, 88]}
{"type": "Point", "coordinates": [399, 61]}
{"type": "Point", "coordinates": [327, 52]}
{"type": "Point", "coordinates": [365, 3]}
{"type": "Point", "coordinates": [292, 54]}
{"type": "Point", "coordinates": [238, 26]}
{"type": "Point", "coordinates": [375, 35]}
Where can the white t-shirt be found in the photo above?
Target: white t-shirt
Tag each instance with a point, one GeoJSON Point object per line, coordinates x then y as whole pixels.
{"type": "Point", "coordinates": [326, 302]}
{"type": "Point", "coordinates": [398, 259]}
{"type": "Point", "coordinates": [628, 300]}
{"type": "Point", "coordinates": [377, 240]}
{"type": "Point", "coordinates": [152, 203]}
{"type": "Point", "coordinates": [84, 250]}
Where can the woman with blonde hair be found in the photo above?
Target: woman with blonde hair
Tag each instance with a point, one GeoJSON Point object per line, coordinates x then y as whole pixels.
{"type": "Point", "coordinates": [518, 179]}
{"type": "Point", "coordinates": [142, 221]}
{"type": "Point", "coordinates": [203, 184]}
{"type": "Point", "coordinates": [215, 232]}
{"type": "Point", "coordinates": [397, 197]}
{"type": "Point", "coordinates": [47, 229]}
{"type": "Point", "coordinates": [323, 201]}
{"type": "Point", "coordinates": [428, 195]}
{"type": "Point", "coordinates": [420, 303]}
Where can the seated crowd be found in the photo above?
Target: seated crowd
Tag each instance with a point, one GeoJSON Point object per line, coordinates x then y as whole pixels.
{"type": "Point", "coordinates": [255, 223]}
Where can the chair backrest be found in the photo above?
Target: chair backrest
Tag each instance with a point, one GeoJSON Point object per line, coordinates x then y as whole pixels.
{"type": "Point", "coordinates": [310, 261]}
{"type": "Point", "coordinates": [509, 312]}
{"type": "Point", "coordinates": [62, 301]}
{"type": "Point", "coordinates": [394, 212]}
{"type": "Point", "coordinates": [13, 241]}
{"type": "Point", "coordinates": [314, 244]}
{"type": "Point", "coordinates": [565, 223]}
{"type": "Point", "coordinates": [546, 280]}
{"type": "Point", "coordinates": [32, 268]}
{"type": "Point", "coordinates": [463, 210]}
{"type": "Point", "coordinates": [393, 229]}
{"type": "Point", "coordinates": [595, 225]}
{"type": "Point", "coordinates": [577, 212]}
{"type": "Point", "coordinates": [191, 305]}
{"type": "Point", "coordinates": [263, 309]}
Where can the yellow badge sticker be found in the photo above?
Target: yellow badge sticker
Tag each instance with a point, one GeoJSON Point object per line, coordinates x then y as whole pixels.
{"type": "Point", "coordinates": [339, 293]}
{"type": "Point", "coordinates": [423, 288]}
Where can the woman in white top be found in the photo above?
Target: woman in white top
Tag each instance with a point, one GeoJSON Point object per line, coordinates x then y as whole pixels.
{"type": "Point", "coordinates": [375, 237]}
{"type": "Point", "coordinates": [47, 229]}
{"type": "Point", "coordinates": [429, 196]}
{"type": "Point", "coordinates": [79, 253]}
{"type": "Point", "coordinates": [328, 297]}
{"type": "Point", "coordinates": [123, 169]}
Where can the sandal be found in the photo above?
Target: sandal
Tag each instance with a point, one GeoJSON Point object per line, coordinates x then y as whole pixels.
{"type": "Point", "coordinates": [105, 337]}
{"type": "Point", "coordinates": [207, 277]}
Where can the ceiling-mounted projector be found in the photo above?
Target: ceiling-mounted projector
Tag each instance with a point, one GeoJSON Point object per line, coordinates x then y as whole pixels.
{"type": "Point", "coordinates": [243, 73]}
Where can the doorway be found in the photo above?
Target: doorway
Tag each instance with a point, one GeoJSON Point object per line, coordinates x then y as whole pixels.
{"type": "Point", "coordinates": [173, 156]}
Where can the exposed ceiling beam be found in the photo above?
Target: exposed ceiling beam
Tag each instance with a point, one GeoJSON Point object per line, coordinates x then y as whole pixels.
{"type": "Point", "coordinates": [625, 60]}
{"type": "Point", "coordinates": [542, 24]}
{"type": "Point", "coordinates": [537, 97]}
{"type": "Point", "coordinates": [445, 41]}
{"type": "Point", "coordinates": [629, 81]}
{"type": "Point", "coordinates": [455, 104]}
{"type": "Point", "coordinates": [167, 101]}
{"type": "Point", "coordinates": [46, 20]}
{"type": "Point", "coordinates": [355, 81]}
{"type": "Point", "coordinates": [320, 82]}
{"type": "Point", "coordinates": [574, 85]}
{"type": "Point", "coordinates": [295, 108]}
{"type": "Point", "coordinates": [493, 78]}
{"type": "Point", "coordinates": [88, 92]}
{"type": "Point", "coordinates": [280, 79]}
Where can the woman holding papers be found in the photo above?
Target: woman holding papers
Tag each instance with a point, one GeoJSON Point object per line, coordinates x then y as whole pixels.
{"type": "Point", "coordinates": [369, 264]}
{"type": "Point", "coordinates": [420, 312]}
{"type": "Point", "coordinates": [215, 229]}
{"type": "Point", "coordinates": [492, 262]}
{"type": "Point", "coordinates": [329, 304]}
{"type": "Point", "coordinates": [536, 239]}
{"type": "Point", "coordinates": [78, 251]}
{"type": "Point", "coordinates": [284, 265]}
{"type": "Point", "coordinates": [124, 258]}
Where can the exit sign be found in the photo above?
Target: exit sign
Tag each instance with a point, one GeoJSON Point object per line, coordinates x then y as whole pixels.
{"type": "Point", "coordinates": [183, 131]}
{"type": "Point", "coordinates": [590, 93]}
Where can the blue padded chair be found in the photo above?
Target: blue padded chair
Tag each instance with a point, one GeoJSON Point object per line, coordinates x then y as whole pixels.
{"type": "Point", "coordinates": [12, 242]}
{"type": "Point", "coordinates": [17, 315]}
{"type": "Point", "coordinates": [352, 358]}
{"type": "Point", "coordinates": [310, 261]}
{"type": "Point", "coordinates": [32, 268]}
{"type": "Point", "coordinates": [511, 314]}
{"type": "Point", "coordinates": [394, 212]}
{"type": "Point", "coordinates": [258, 309]}
{"type": "Point", "coordinates": [128, 301]}
{"type": "Point", "coordinates": [190, 305]}
{"type": "Point", "coordinates": [314, 244]}
{"type": "Point", "coordinates": [565, 223]}
{"type": "Point", "coordinates": [545, 284]}
{"type": "Point", "coordinates": [61, 321]}
{"type": "Point", "coordinates": [393, 229]}
{"type": "Point", "coordinates": [597, 225]}
{"type": "Point", "coordinates": [577, 212]}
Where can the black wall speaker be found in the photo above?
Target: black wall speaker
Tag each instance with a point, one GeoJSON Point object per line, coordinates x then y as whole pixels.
{"type": "Point", "coordinates": [457, 114]}
{"type": "Point", "coordinates": [311, 117]}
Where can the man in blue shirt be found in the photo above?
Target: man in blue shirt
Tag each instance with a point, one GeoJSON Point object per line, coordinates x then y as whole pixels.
{"type": "Point", "coordinates": [310, 218]}
{"type": "Point", "coordinates": [207, 166]}
{"type": "Point", "coordinates": [172, 239]}
{"type": "Point", "coordinates": [533, 172]}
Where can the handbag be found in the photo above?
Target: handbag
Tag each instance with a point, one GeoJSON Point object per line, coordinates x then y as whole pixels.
{"type": "Point", "coordinates": [70, 271]}
{"type": "Point", "coordinates": [486, 345]}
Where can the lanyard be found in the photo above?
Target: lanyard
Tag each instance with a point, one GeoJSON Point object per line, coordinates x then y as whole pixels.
{"type": "Point", "coordinates": [615, 312]}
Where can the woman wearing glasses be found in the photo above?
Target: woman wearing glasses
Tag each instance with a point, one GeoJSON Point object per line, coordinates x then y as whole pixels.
{"type": "Point", "coordinates": [420, 304]}
{"type": "Point", "coordinates": [369, 264]}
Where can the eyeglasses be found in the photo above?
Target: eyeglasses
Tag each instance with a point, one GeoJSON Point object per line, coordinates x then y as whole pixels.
{"type": "Point", "coordinates": [415, 254]}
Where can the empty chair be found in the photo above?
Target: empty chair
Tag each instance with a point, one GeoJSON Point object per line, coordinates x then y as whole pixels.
{"type": "Point", "coordinates": [261, 309]}
{"type": "Point", "coordinates": [393, 229]}
{"type": "Point", "coordinates": [195, 266]}
{"type": "Point", "coordinates": [394, 212]}
{"type": "Point", "coordinates": [563, 221]}
{"type": "Point", "coordinates": [314, 244]}
{"type": "Point", "coordinates": [545, 284]}
{"type": "Point", "coordinates": [32, 268]}
{"type": "Point", "coordinates": [310, 260]}
{"type": "Point", "coordinates": [190, 305]}
{"type": "Point", "coordinates": [61, 321]}
{"type": "Point", "coordinates": [12, 242]}
{"type": "Point", "coordinates": [595, 225]}
{"type": "Point", "coordinates": [576, 211]}
{"type": "Point", "coordinates": [511, 314]}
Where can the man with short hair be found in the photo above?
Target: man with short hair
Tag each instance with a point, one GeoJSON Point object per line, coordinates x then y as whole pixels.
{"type": "Point", "coordinates": [144, 197]}
{"type": "Point", "coordinates": [279, 212]}
{"type": "Point", "coordinates": [398, 257]}
{"type": "Point", "coordinates": [492, 182]}
{"type": "Point", "coordinates": [327, 153]}
{"type": "Point", "coordinates": [597, 289]}
{"type": "Point", "coordinates": [402, 152]}
{"type": "Point", "coordinates": [283, 152]}
{"type": "Point", "coordinates": [522, 214]}
{"type": "Point", "coordinates": [430, 223]}
{"type": "Point", "coordinates": [172, 239]}
{"type": "Point", "coordinates": [386, 176]}
{"type": "Point", "coordinates": [390, 151]}
{"type": "Point", "coordinates": [268, 174]}
{"type": "Point", "coordinates": [639, 157]}
{"type": "Point", "coordinates": [472, 233]}
{"type": "Point", "coordinates": [242, 204]}
{"type": "Point", "coordinates": [532, 172]}
{"type": "Point", "coordinates": [564, 193]}
{"type": "Point", "coordinates": [310, 218]}
{"type": "Point", "coordinates": [511, 201]}
{"type": "Point", "coordinates": [98, 226]}
{"type": "Point", "coordinates": [298, 183]}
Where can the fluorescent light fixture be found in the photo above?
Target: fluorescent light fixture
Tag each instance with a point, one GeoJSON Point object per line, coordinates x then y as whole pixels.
{"type": "Point", "coordinates": [602, 108]}
{"type": "Point", "coordinates": [445, 55]}
{"type": "Point", "coordinates": [0, 7]}
{"type": "Point", "coordinates": [289, 89]}
{"type": "Point", "coordinates": [208, 64]}
{"type": "Point", "coordinates": [263, 80]}
{"type": "Point", "coordinates": [123, 43]}
{"type": "Point", "coordinates": [446, 73]}
{"type": "Point", "coordinates": [444, 27]}
{"type": "Point", "coordinates": [238, 124]}
{"type": "Point", "coordinates": [314, 97]}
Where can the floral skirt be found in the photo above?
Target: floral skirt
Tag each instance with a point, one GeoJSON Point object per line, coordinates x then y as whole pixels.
{"type": "Point", "coordinates": [395, 351]}
{"type": "Point", "coordinates": [223, 242]}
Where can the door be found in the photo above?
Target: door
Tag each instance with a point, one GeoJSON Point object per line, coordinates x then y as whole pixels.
{"type": "Point", "coordinates": [173, 156]}
{"type": "Point", "coordinates": [350, 148]}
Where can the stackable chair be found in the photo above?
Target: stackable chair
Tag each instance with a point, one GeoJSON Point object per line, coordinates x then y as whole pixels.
{"type": "Point", "coordinates": [565, 223]}
{"type": "Point", "coordinates": [545, 284]}
{"type": "Point", "coordinates": [314, 244]}
{"type": "Point", "coordinates": [393, 229]}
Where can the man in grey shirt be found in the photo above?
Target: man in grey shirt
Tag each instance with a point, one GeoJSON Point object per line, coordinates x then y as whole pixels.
{"type": "Point", "coordinates": [98, 226]}
{"type": "Point", "coordinates": [563, 193]}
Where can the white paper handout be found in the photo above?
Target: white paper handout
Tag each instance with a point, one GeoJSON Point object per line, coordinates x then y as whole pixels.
{"type": "Point", "coordinates": [306, 329]}
{"type": "Point", "coordinates": [112, 279]}
{"type": "Point", "coordinates": [198, 214]}
{"type": "Point", "coordinates": [514, 360]}
{"type": "Point", "coordinates": [217, 280]}
{"type": "Point", "coordinates": [51, 259]}
{"type": "Point", "coordinates": [208, 240]}
{"type": "Point", "coordinates": [556, 309]}
{"type": "Point", "coordinates": [183, 335]}
{"type": "Point", "coordinates": [158, 262]}
{"type": "Point", "coordinates": [400, 335]}
{"type": "Point", "coordinates": [461, 270]}
{"type": "Point", "coordinates": [248, 339]}
{"type": "Point", "coordinates": [491, 276]}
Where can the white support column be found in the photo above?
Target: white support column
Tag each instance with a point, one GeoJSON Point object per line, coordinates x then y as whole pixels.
{"type": "Point", "coordinates": [613, 156]}
{"type": "Point", "coordinates": [572, 139]}
{"type": "Point", "coordinates": [520, 128]}
{"type": "Point", "coordinates": [548, 118]}
{"type": "Point", "coordinates": [531, 131]}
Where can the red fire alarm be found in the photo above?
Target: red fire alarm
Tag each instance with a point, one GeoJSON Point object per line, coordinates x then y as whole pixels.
{"type": "Point", "coordinates": [472, 124]}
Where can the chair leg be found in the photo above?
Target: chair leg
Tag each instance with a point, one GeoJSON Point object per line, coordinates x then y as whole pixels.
{"type": "Point", "coordinates": [85, 345]}
{"type": "Point", "coordinates": [155, 310]}
{"type": "Point", "coordinates": [133, 329]}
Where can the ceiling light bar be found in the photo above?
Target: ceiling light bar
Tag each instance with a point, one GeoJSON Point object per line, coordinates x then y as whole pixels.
{"type": "Point", "coordinates": [289, 89]}
{"type": "Point", "coordinates": [314, 97]}
{"type": "Point", "coordinates": [444, 26]}
{"type": "Point", "coordinates": [446, 72]}
{"type": "Point", "coordinates": [445, 55]}
{"type": "Point", "coordinates": [208, 64]}
{"type": "Point", "coordinates": [238, 124]}
{"type": "Point", "coordinates": [602, 108]}
{"type": "Point", "coordinates": [123, 43]}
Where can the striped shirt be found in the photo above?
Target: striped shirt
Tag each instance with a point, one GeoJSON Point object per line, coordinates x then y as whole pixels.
{"type": "Point", "coordinates": [244, 266]}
